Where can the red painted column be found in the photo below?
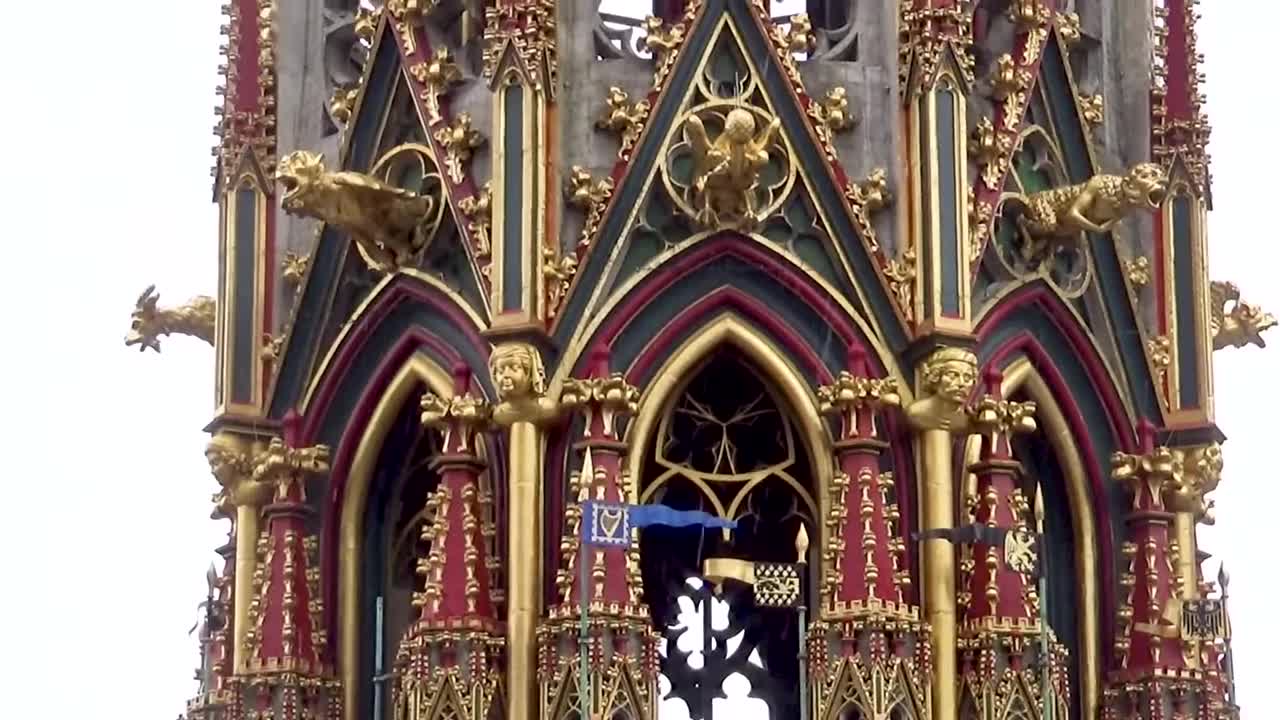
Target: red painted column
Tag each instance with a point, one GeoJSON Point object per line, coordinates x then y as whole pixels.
{"type": "Point", "coordinates": [866, 625]}
{"type": "Point", "coordinates": [453, 654]}
{"type": "Point", "coordinates": [623, 647]}
{"type": "Point", "coordinates": [1000, 635]}
{"type": "Point", "coordinates": [287, 673]}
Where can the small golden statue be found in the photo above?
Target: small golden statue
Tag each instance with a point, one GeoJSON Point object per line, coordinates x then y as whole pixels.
{"type": "Point", "coordinates": [726, 172]}
{"type": "Point", "coordinates": [389, 225]}
{"type": "Point", "coordinates": [521, 382]}
{"type": "Point", "coordinates": [949, 378]}
{"type": "Point", "coordinates": [1095, 205]}
{"type": "Point", "coordinates": [149, 322]}
{"type": "Point", "coordinates": [1240, 326]}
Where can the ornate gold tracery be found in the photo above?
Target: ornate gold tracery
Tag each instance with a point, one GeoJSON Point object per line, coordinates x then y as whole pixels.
{"type": "Point", "coordinates": [701, 442]}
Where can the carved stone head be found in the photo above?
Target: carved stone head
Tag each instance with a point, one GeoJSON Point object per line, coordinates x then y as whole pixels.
{"type": "Point", "coordinates": [951, 374]}
{"type": "Point", "coordinates": [1145, 186]}
{"type": "Point", "coordinates": [739, 126]}
{"type": "Point", "coordinates": [226, 459]}
{"type": "Point", "coordinates": [517, 371]}
{"type": "Point", "coordinates": [298, 173]}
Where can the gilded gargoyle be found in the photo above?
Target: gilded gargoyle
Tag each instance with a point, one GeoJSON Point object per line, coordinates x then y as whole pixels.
{"type": "Point", "coordinates": [1094, 206]}
{"type": "Point", "coordinates": [726, 171]}
{"type": "Point", "coordinates": [1240, 326]}
{"type": "Point", "coordinates": [390, 225]}
{"type": "Point", "coordinates": [149, 322]}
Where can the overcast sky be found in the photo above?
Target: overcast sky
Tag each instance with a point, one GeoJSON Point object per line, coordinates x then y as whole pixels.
{"type": "Point", "coordinates": [105, 189]}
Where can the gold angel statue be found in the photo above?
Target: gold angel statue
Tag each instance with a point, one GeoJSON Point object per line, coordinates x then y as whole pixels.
{"type": "Point", "coordinates": [726, 171]}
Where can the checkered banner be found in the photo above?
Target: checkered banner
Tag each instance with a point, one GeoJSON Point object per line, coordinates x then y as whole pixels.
{"type": "Point", "coordinates": [610, 524]}
{"type": "Point", "coordinates": [779, 585]}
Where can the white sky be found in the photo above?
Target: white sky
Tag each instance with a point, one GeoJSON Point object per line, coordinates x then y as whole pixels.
{"type": "Point", "coordinates": [105, 190]}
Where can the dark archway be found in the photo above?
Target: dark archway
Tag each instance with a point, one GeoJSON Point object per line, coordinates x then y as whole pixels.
{"type": "Point", "coordinates": [726, 445]}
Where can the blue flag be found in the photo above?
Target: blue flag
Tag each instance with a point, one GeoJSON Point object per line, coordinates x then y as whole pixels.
{"type": "Point", "coordinates": [610, 523]}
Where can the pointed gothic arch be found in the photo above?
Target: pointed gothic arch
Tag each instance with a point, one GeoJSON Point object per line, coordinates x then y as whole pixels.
{"type": "Point", "coordinates": [730, 354]}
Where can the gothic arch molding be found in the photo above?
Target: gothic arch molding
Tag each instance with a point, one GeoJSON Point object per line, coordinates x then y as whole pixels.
{"type": "Point", "coordinates": [768, 286]}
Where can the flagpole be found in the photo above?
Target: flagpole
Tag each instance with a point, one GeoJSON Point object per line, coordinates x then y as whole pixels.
{"type": "Point", "coordinates": [802, 550]}
{"type": "Point", "coordinates": [584, 634]}
{"type": "Point", "coordinates": [1047, 678]}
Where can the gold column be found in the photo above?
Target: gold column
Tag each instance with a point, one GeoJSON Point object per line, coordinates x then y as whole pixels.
{"type": "Point", "coordinates": [520, 379]}
{"type": "Point", "coordinates": [946, 380]}
{"type": "Point", "coordinates": [230, 461]}
{"type": "Point", "coordinates": [1197, 472]}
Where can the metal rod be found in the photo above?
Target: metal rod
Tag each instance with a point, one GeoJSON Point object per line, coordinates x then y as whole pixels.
{"type": "Point", "coordinates": [584, 635]}
{"type": "Point", "coordinates": [803, 656]}
{"type": "Point", "coordinates": [706, 697]}
{"type": "Point", "coordinates": [378, 677]}
{"type": "Point", "coordinates": [1046, 691]}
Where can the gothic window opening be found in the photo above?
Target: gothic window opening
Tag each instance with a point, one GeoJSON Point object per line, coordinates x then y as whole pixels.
{"type": "Point", "coordinates": [1044, 482]}
{"type": "Point", "coordinates": [395, 515]}
{"type": "Point", "coordinates": [726, 446]}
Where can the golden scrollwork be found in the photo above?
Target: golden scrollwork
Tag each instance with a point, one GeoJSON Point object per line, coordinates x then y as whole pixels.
{"type": "Point", "coordinates": [795, 37]}
{"type": "Point", "coordinates": [1233, 322]}
{"type": "Point", "coordinates": [848, 392]}
{"type": "Point", "coordinates": [901, 274]}
{"type": "Point", "coordinates": [558, 271]}
{"type": "Point", "coordinates": [664, 42]}
{"type": "Point", "coordinates": [436, 76]}
{"type": "Point", "coordinates": [1160, 350]}
{"type": "Point", "coordinates": [149, 321]}
{"type": "Point", "coordinates": [612, 392]}
{"type": "Point", "coordinates": [947, 379]}
{"type": "Point", "coordinates": [293, 268]}
{"type": "Point", "coordinates": [980, 214]}
{"type": "Point", "coordinates": [464, 413]}
{"type": "Point", "coordinates": [272, 345]}
{"type": "Point", "coordinates": [279, 466]}
{"type": "Point", "coordinates": [409, 13]}
{"type": "Point", "coordinates": [1138, 271]}
{"type": "Point", "coordinates": [726, 170]}
{"type": "Point", "coordinates": [830, 116]}
{"type": "Point", "coordinates": [1009, 78]}
{"type": "Point", "coordinates": [366, 23]}
{"type": "Point", "coordinates": [389, 225]}
{"type": "Point", "coordinates": [1028, 14]}
{"type": "Point", "coordinates": [989, 414]}
{"type": "Point", "coordinates": [625, 118]}
{"type": "Point", "coordinates": [343, 103]}
{"type": "Point", "coordinates": [458, 139]}
{"type": "Point", "coordinates": [1091, 109]}
{"type": "Point", "coordinates": [1095, 205]}
{"type": "Point", "coordinates": [867, 197]}
{"type": "Point", "coordinates": [521, 380]}
{"type": "Point", "coordinates": [1069, 27]}
{"type": "Point", "coordinates": [1197, 471]}
{"type": "Point", "coordinates": [478, 209]}
{"type": "Point", "coordinates": [592, 197]}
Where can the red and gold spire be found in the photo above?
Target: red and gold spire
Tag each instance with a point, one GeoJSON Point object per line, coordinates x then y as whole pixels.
{"type": "Point", "coordinates": [287, 670]}
{"type": "Point", "coordinates": [1001, 658]}
{"type": "Point", "coordinates": [1179, 125]}
{"type": "Point", "coordinates": [622, 646]}
{"type": "Point", "coordinates": [453, 654]}
{"type": "Point", "coordinates": [868, 632]}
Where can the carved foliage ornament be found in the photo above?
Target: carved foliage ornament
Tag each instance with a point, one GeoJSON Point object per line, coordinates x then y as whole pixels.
{"type": "Point", "coordinates": [624, 118]}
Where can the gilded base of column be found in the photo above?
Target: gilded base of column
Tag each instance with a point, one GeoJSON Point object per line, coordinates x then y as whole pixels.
{"type": "Point", "coordinates": [1001, 674]}
{"type": "Point", "coordinates": [622, 668]}
{"type": "Point", "coordinates": [1166, 697]}
{"type": "Point", "coordinates": [449, 673]}
{"type": "Point", "coordinates": [877, 665]}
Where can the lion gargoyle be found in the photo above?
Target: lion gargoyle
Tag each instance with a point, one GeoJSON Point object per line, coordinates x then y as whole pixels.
{"type": "Point", "coordinates": [1241, 325]}
{"type": "Point", "coordinates": [149, 322]}
{"type": "Point", "coordinates": [726, 171]}
{"type": "Point", "coordinates": [390, 225]}
{"type": "Point", "coordinates": [1094, 206]}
